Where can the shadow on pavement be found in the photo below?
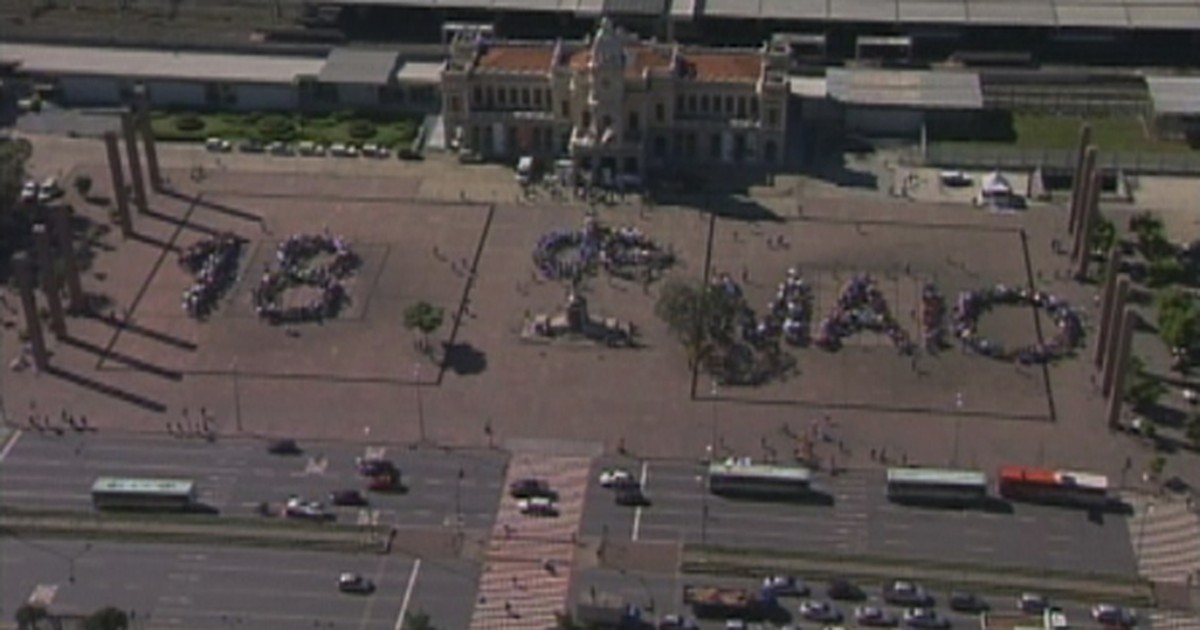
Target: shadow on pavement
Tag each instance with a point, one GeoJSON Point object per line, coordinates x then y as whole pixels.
{"type": "Point", "coordinates": [106, 389]}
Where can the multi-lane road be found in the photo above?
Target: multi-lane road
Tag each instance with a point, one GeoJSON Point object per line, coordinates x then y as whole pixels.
{"type": "Point", "coordinates": [858, 519]}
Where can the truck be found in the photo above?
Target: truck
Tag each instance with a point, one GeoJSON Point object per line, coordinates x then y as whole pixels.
{"type": "Point", "coordinates": [720, 602]}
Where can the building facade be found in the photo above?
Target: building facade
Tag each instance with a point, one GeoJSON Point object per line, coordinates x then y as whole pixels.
{"type": "Point", "coordinates": [615, 105]}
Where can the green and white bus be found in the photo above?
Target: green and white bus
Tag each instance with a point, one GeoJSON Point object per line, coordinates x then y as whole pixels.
{"type": "Point", "coordinates": [743, 478]}
{"type": "Point", "coordinates": [937, 486]}
{"type": "Point", "coordinates": [117, 493]}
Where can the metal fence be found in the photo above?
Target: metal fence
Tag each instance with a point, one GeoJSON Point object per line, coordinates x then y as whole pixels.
{"type": "Point", "coordinates": [980, 157]}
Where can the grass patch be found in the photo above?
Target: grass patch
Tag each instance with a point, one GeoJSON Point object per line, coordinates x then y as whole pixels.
{"type": "Point", "coordinates": [389, 131]}
{"type": "Point", "coordinates": [1046, 132]}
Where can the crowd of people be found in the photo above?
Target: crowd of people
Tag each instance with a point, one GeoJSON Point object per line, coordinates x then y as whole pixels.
{"type": "Point", "coordinates": [972, 305]}
{"type": "Point", "coordinates": [213, 264]}
{"type": "Point", "coordinates": [297, 268]}
{"type": "Point", "coordinates": [789, 314]}
{"type": "Point", "coordinates": [861, 307]}
{"type": "Point", "coordinates": [624, 252]}
{"type": "Point", "coordinates": [933, 318]}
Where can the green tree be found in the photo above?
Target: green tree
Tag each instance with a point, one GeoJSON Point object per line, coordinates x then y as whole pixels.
{"type": "Point", "coordinates": [1143, 390]}
{"type": "Point", "coordinates": [29, 616]}
{"type": "Point", "coordinates": [107, 618]}
{"type": "Point", "coordinates": [1104, 236]}
{"type": "Point", "coordinates": [14, 225]}
{"type": "Point", "coordinates": [1165, 270]}
{"type": "Point", "coordinates": [425, 318]}
{"type": "Point", "coordinates": [1193, 429]}
{"type": "Point", "coordinates": [701, 317]}
{"type": "Point", "coordinates": [418, 620]}
{"type": "Point", "coordinates": [1151, 236]}
{"type": "Point", "coordinates": [1178, 318]}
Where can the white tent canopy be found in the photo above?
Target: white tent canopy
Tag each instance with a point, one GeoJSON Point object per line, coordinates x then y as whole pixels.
{"type": "Point", "coordinates": [995, 183]}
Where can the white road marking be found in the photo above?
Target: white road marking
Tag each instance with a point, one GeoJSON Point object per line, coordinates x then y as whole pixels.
{"type": "Point", "coordinates": [366, 616]}
{"type": "Point", "coordinates": [8, 446]}
{"type": "Point", "coordinates": [43, 595]}
{"type": "Point", "coordinates": [412, 581]}
{"type": "Point", "coordinates": [637, 512]}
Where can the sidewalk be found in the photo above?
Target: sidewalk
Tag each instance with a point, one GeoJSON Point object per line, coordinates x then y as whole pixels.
{"type": "Point", "coordinates": [1080, 587]}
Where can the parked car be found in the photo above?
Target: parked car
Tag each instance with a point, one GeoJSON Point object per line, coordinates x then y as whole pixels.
{"type": "Point", "coordinates": [280, 148]}
{"type": "Point", "coordinates": [955, 179]}
{"type": "Point", "coordinates": [785, 586]}
{"type": "Point", "coordinates": [1032, 603]}
{"type": "Point", "coordinates": [631, 496]}
{"type": "Point", "coordinates": [307, 510]}
{"type": "Point", "coordinates": [343, 150]}
{"type": "Point", "coordinates": [251, 146]}
{"type": "Point", "coordinates": [218, 145]}
{"type": "Point", "coordinates": [284, 447]}
{"type": "Point", "coordinates": [845, 590]}
{"type": "Point", "coordinates": [537, 506]}
{"type": "Point", "coordinates": [310, 149]}
{"type": "Point", "coordinates": [616, 477]}
{"type": "Point", "coordinates": [29, 192]}
{"type": "Point", "coordinates": [347, 498]}
{"type": "Point", "coordinates": [962, 601]}
{"type": "Point", "coordinates": [677, 622]}
{"type": "Point", "coordinates": [355, 583]}
{"type": "Point", "coordinates": [925, 619]}
{"type": "Point", "coordinates": [1114, 616]}
{"type": "Point", "coordinates": [906, 593]}
{"type": "Point", "coordinates": [875, 617]}
{"type": "Point", "coordinates": [375, 151]}
{"type": "Point", "coordinates": [816, 610]}
{"type": "Point", "coordinates": [49, 190]}
{"type": "Point", "coordinates": [530, 487]}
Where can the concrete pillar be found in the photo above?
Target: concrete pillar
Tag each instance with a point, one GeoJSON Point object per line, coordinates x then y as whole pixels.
{"type": "Point", "coordinates": [1079, 188]}
{"type": "Point", "coordinates": [118, 183]}
{"type": "Point", "coordinates": [142, 121]}
{"type": "Point", "coordinates": [1112, 364]}
{"type": "Point", "coordinates": [1106, 306]}
{"type": "Point", "coordinates": [60, 220]}
{"type": "Point", "coordinates": [49, 279]}
{"type": "Point", "coordinates": [23, 270]}
{"type": "Point", "coordinates": [135, 163]}
{"type": "Point", "coordinates": [1091, 219]}
{"type": "Point", "coordinates": [1128, 321]}
{"type": "Point", "coordinates": [1085, 139]}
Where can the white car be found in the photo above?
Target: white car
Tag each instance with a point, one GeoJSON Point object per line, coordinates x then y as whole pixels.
{"type": "Point", "coordinates": [537, 506]}
{"type": "Point", "coordinates": [310, 149]}
{"type": "Point", "coordinates": [815, 610]}
{"type": "Point", "coordinates": [375, 151]}
{"type": "Point", "coordinates": [29, 192]}
{"type": "Point", "coordinates": [343, 150]}
{"type": "Point", "coordinates": [1114, 616]}
{"type": "Point", "coordinates": [309, 510]}
{"type": "Point", "coordinates": [279, 148]}
{"type": "Point", "coordinates": [218, 145]}
{"type": "Point", "coordinates": [616, 477]}
{"type": "Point", "coordinates": [49, 190]}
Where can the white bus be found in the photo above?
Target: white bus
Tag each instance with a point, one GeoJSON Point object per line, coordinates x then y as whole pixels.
{"type": "Point", "coordinates": [116, 493]}
{"type": "Point", "coordinates": [742, 477]}
{"type": "Point", "coordinates": [937, 486]}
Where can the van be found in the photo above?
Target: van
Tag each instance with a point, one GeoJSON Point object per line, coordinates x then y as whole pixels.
{"type": "Point", "coordinates": [525, 170]}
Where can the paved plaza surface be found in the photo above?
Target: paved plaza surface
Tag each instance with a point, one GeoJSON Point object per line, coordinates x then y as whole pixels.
{"type": "Point", "coordinates": [180, 586]}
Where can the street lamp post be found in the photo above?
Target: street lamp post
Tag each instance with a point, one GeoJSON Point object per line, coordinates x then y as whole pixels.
{"type": "Point", "coordinates": [958, 405]}
{"type": "Point", "coordinates": [420, 403]}
{"type": "Point", "coordinates": [458, 515]}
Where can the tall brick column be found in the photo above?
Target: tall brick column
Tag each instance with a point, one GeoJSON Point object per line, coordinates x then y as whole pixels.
{"type": "Point", "coordinates": [1079, 199]}
{"type": "Point", "coordinates": [1085, 138]}
{"type": "Point", "coordinates": [135, 163]}
{"type": "Point", "coordinates": [1111, 269]}
{"type": "Point", "coordinates": [1114, 340]}
{"type": "Point", "coordinates": [1091, 218]}
{"type": "Point", "coordinates": [23, 269]}
{"type": "Point", "coordinates": [1121, 362]}
{"type": "Point", "coordinates": [120, 197]}
{"type": "Point", "coordinates": [60, 221]}
{"type": "Point", "coordinates": [49, 280]}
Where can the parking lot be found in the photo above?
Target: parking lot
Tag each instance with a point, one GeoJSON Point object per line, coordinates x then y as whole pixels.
{"type": "Point", "coordinates": [235, 476]}
{"type": "Point", "coordinates": [174, 586]}
{"type": "Point", "coordinates": [858, 519]}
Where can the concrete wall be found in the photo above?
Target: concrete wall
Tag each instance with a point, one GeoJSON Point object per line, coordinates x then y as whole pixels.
{"type": "Point", "coordinates": [884, 121]}
{"type": "Point", "coordinates": [354, 95]}
{"type": "Point", "coordinates": [90, 90]}
{"type": "Point", "coordinates": [265, 96]}
{"type": "Point", "coordinates": [176, 93]}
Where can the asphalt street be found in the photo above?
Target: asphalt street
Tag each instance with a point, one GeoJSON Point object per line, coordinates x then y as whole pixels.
{"type": "Point", "coordinates": [234, 476]}
{"type": "Point", "coordinates": [658, 594]}
{"type": "Point", "coordinates": [860, 520]}
{"type": "Point", "coordinates": [173, 586]}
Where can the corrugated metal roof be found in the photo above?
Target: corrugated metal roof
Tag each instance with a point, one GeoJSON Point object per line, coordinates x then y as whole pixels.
{"type": "Point", "coordinates": [808, 87]}
{"type": "Point", "coordinates": [420, 72]}
{"type": "Point", "coordinates": [1175, 95]}
{"type": "Point", "coordinates": [905, 88]}
{"type": "Point", "coordinates": [360, 65]}
{"type": "Point", "coordinates": [155, 64]}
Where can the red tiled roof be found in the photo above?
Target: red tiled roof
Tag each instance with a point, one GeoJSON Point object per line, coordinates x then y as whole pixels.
{"type": "Point", "coordinates": [736, 67]}
{"type": "Point", "coordinates": [506, 58]}
{"type": "Point", "coordinates": [638, 58]}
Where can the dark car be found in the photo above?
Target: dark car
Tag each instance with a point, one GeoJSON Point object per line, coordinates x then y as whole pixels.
{"type": "Point", "coordinates": [284, 447]}
{"type": "Point", "coordinates": [968, 603]}
{"type": "Point", "coordinates": [252, 146]}
{"type": "Point", "coordinates": [530, 488]}
{"type": "Point", "coordinates": [824, 612]}
{"type": "Point", "coordinates": [632, 496]}
{"type": "Point", "coordinates": [347, 497]}
{"type": "Point", "coordinates": [784, 586]}
{"type": "Point", "coordinates": [906, 593]}
{"type": "Point", "coordinates": [875, 617]}
{"type": "Point", "coordinates": [925, 619]}
{"type": "Point", "coordinates": [375, 467]}
{"type": "Point", "coordinates": [845, 590]}
{"type": "Point", "coordinates": [355, 583]}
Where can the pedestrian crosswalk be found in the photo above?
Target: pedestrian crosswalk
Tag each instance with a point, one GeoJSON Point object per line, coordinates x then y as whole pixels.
{"type": "Point", "coordinates": [527, 568]}
{"type": "Point", "coordinates": [1171, 620]}
{"type": "Point", "coordinates": [1165, 534]}
{"type": "Point", "coordinates": [43, 595]}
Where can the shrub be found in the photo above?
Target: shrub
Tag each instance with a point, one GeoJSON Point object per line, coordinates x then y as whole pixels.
{"type": "Point", "coordinates": [189, 123]}
{"type": "Point", "coordinates": [276, 127]}
{"type": "Point", "coordinates": [83, 184]}
{"type": "Point", "coordinates": [360, 129]}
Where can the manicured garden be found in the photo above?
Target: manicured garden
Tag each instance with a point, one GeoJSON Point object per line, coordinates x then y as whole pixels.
{"type": "Point", "coordinates": [342, 127]}
{"type": "Point", "coordinates": [1118, 134]}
